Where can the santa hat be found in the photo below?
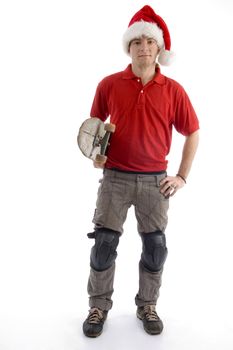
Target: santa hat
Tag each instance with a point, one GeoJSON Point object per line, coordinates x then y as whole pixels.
{"type": "Point", "coordinates": [146, 22]}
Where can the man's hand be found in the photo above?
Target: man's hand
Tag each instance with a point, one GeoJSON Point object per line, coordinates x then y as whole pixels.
{"type": "Point", "coordinates": [170, 185]}
{"type": "Point", "coordinates": [98, 165]}
{"type": "Point", "coordinates": [100, 161]}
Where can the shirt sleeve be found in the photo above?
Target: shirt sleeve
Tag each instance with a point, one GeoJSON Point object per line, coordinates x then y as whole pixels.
{"type": "Point", "coordinates": [99, 107]}
{"type": "Point", "coordinates": [185, 120]}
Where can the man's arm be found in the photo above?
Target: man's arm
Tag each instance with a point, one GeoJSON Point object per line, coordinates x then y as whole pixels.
{"type": "Point", "coordinates": [188, 154]}
{"type": "Point", "coordinates": [171, 184]}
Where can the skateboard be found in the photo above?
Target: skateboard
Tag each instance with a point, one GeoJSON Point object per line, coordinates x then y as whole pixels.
{"type": "Point", "coordinates": [93, 139]}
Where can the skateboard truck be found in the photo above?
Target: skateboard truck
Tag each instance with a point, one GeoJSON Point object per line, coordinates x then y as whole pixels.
{"type": "Point", "coordinates": [103, 143]}
{"type": "Point", "coordinates": [93, 139]}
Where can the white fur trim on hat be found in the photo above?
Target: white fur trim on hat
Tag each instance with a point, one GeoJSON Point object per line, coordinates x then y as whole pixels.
{"type": "Point", "coordinates": [138, 29]}
{"type": "Point", "coordinates": [166, 57]}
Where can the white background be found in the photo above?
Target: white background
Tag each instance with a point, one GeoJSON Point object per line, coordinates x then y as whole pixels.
{"type": "Point", "coordinates": [53, 54]}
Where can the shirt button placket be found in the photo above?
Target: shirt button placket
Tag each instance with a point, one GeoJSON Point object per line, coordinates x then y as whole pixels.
{"type": "Point", "coordinates": [141, 97]}
{"type": "Point", "coordinates": [141, 93]}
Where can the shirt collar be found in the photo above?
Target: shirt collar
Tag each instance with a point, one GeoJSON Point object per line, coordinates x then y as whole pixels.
{"type": "Point", "coordinates": [158, 78]}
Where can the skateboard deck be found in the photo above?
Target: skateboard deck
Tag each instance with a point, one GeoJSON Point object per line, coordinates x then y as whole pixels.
{"type": "Point", "coordinates": [93, 139]}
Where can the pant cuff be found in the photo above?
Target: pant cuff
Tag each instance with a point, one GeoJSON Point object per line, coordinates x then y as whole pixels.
{"type": "Point", "coordinates": [102, 304]}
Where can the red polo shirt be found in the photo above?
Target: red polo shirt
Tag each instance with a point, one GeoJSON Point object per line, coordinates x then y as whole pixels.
{"type": "Point", "coordinates": [144, 117]}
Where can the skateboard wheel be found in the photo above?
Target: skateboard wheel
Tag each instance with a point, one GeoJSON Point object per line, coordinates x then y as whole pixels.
{"type": "Point", "coordinates": [110, 127]}
{"type": "Point", "coordinates": [100, 158]}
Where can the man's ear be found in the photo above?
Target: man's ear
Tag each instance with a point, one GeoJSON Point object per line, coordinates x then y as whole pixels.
{"type": "Point", "coordinates": [129, 49]}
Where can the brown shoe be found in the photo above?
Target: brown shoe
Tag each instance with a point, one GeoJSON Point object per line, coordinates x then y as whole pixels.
{"type": "Point", "coordinates": [151, 321]}
{"type": "Point", "coordinates": [93, 325]}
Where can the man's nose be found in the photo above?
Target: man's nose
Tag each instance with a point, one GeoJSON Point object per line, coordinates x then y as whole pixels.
{"type": "Point", "coordinates": [144, 45]}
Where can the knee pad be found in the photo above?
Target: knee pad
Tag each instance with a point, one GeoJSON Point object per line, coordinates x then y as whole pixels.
{"type": "Point", "coordinates": [103, 253]}
{"type": "Point", "coordinates": [154, 250]}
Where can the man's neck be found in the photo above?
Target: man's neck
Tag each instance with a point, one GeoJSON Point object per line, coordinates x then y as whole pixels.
{"type": "Point", "coordinates": [145, 73]}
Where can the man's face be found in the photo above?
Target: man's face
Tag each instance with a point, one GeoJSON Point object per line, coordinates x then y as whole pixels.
{"type": "Point", "coordinates": [143, 51]}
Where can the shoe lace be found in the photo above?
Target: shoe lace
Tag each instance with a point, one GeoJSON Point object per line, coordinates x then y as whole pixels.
{"type": "Point", "coordinates": [95, 315]}
{"type": "Point", "coordinates": [150, 313]}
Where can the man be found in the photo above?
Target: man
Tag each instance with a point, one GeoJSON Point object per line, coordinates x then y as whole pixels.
{"type": "Point", "coordinates": [144, 105]}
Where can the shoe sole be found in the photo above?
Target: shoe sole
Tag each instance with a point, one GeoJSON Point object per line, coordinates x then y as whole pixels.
{"type": "Point", "coordinates": [151, 333]}
{"type": "Point", "coordinates": [93, 335]}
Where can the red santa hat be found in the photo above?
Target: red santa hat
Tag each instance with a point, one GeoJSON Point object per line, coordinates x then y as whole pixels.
{"type": "Point", "coordinates": [146, 22]}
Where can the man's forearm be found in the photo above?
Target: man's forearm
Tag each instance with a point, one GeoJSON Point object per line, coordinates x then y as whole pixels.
{"type": "Point", "coordinates": [188, 154]}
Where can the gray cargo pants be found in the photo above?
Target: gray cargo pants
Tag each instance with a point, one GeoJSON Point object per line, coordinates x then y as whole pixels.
{"type": "Point", "coordinates": [117, 192]}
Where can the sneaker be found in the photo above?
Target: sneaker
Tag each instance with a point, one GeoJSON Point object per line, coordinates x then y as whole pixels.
{"type": "Point", "coordinates": [151, 321]}
{"type": "Point", "coordinates": [93, 325]}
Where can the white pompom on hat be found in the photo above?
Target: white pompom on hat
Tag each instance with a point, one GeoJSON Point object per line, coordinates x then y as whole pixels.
{"type": "Point", "coordinates": [146, 22]}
